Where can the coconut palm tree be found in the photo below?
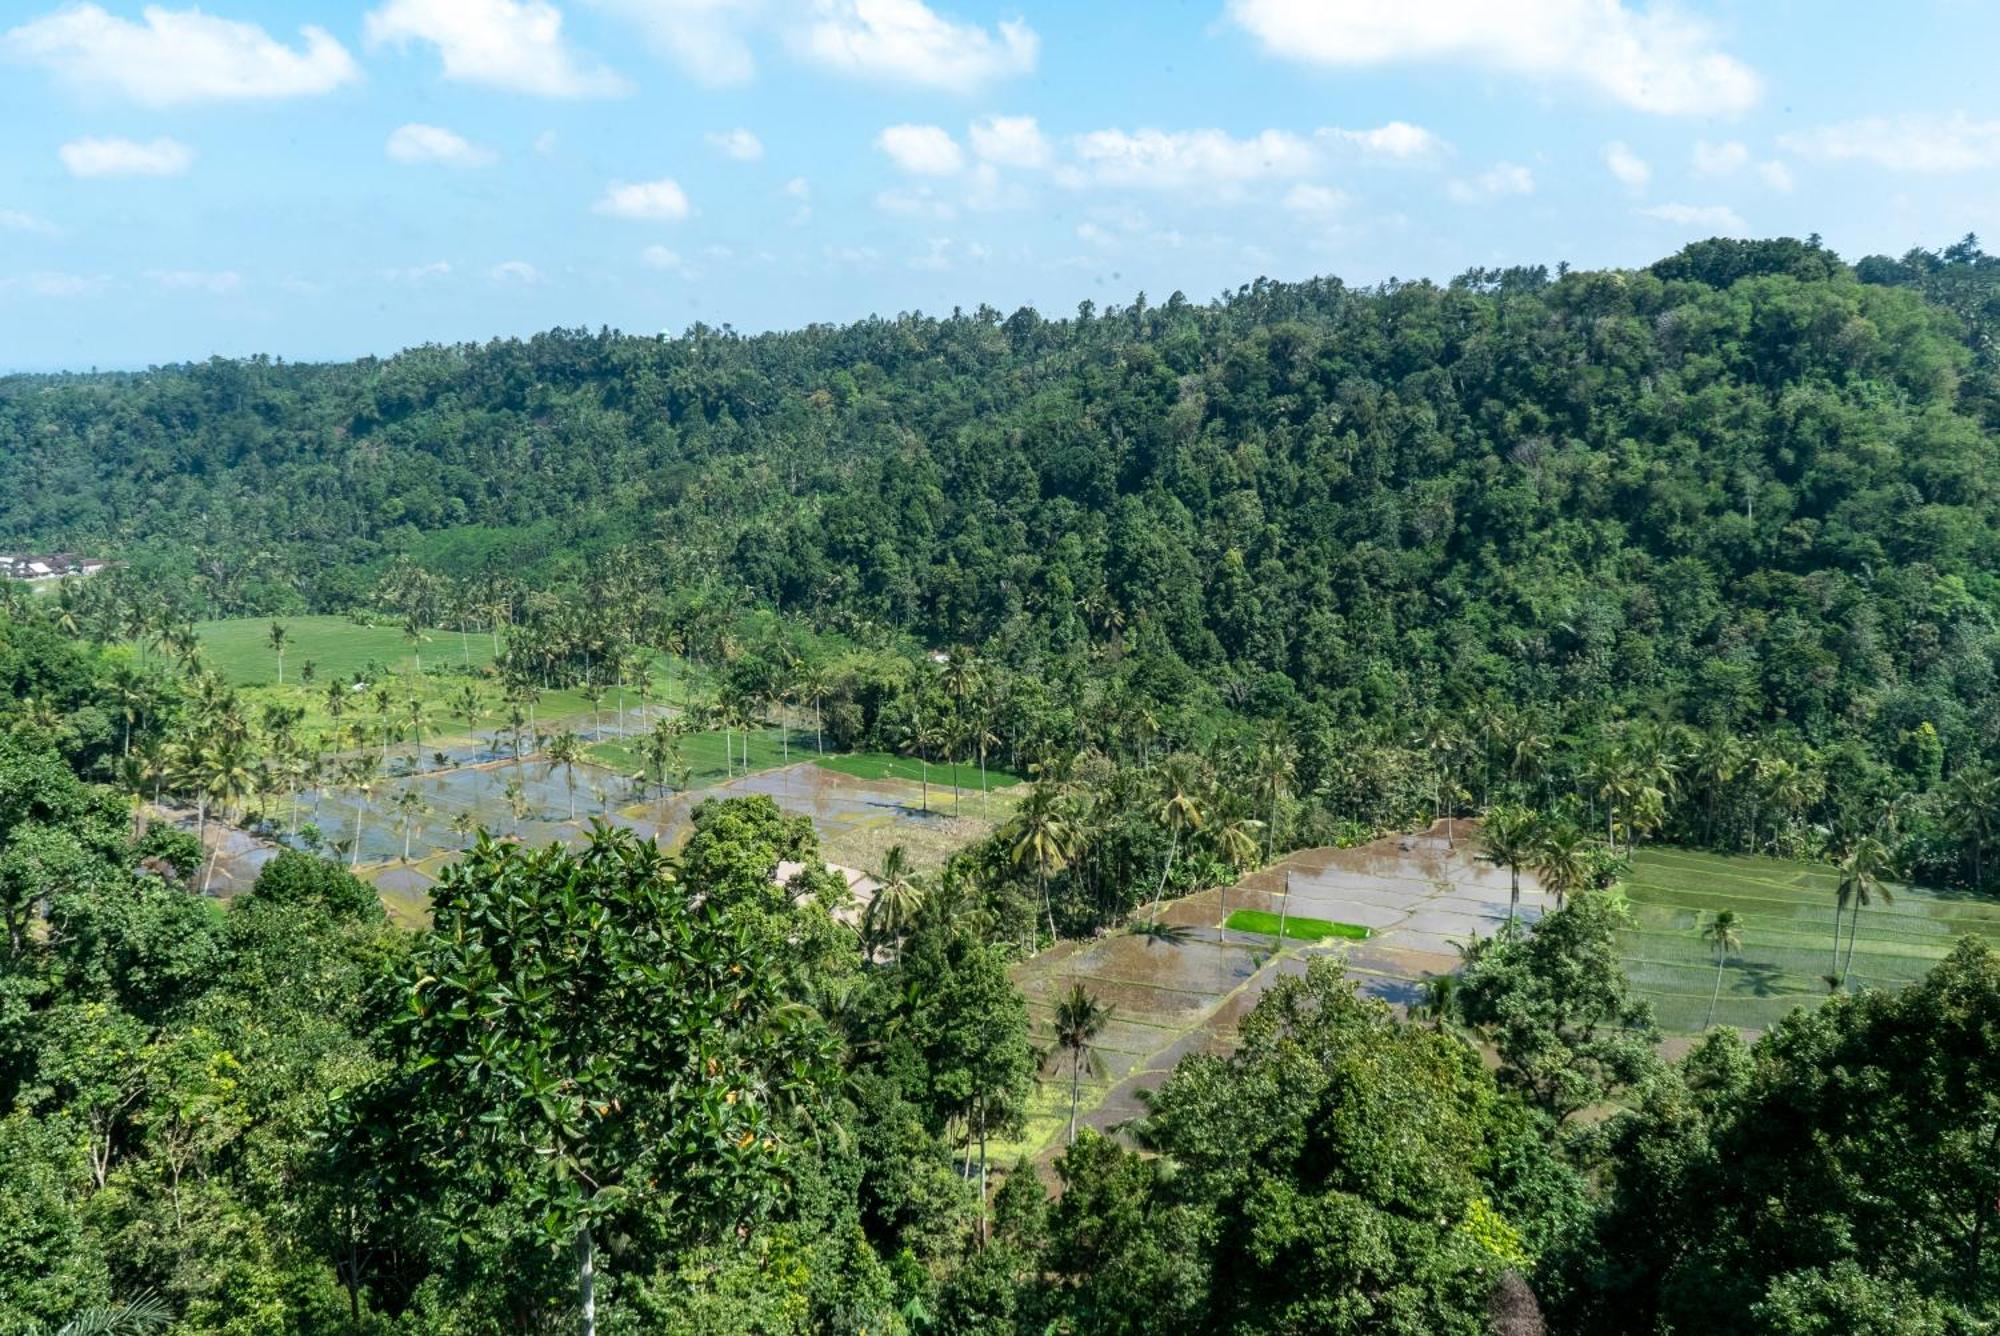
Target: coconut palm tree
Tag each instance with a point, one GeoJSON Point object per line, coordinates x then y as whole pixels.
{"type": "Point", "coordinates": [1080, 1018]}
{"type": "Point", "coordinates": [277, 639]}
{"type": "Point", "coordinates": [1723, 935]}
{"type": "Point", "coordinates": [1437, 1000]}
{"type": "Point", "coordinates": [811, 685]}
{"type": "Point", "coordinates": [1043, 836]}
{"type": "Point", "coordinates": [1558, 859]}
{"type": "Point", "coordinates": [921, 736]}
{"type": "Point", "coordinates": [1972, 807]}
{"type": "Point", "coordinates": [464, 824]}
{"type": "Point", "coordinates": [898, 900]}
{"type": "Point", "coordinates": [359, 775]}
{"type": "Point", "coordinates": [1277, 765]}
{"type": "Point", "coordinates": [1234, 839]}
{"type": "Point", "coordinates": [1179, 811]}
{"type": "Point", "coordinates": [410, 810]}
{"type": "Point", "coordinates": [566, 749]}
{"type": "Point", "coordinates": [1508, 839]}
{"type": "Point", "coordinates": [1863, 876]}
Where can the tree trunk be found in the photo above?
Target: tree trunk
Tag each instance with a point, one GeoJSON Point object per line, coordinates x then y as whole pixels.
{"type": "Point", "coordinates": [1834, 978]}
{"type": "Point", "coordinates": [1513, 893]}
{"type": "Point", "coordinates": [586, 1280]}
{"type": "Point", "coordinates": [1284, 907]}
{"type": "Point", "coordinates": [1075, 1086]}
{"type": "Point", "coordinates": [1172, 848]}
{"type": "Point", "coordinates": [1716, 996]}
{"type": "Point", "coordinates": [1853, 929]}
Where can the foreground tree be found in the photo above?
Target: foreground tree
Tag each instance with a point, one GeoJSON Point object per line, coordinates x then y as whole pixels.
{"type": "Point", "coordinates": [1080, 1017]}
{"type": "Point", "coordinates": [583, 1044]}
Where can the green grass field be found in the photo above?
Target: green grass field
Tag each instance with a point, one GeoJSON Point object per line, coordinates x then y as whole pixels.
{"type": "Point", "coordinates": [705, 754]}
{"type": "Point", "coordinates": [882, 765]}
{"type": "Point", "coordinates": [1785, 915]}
{"type": "Point", "coordinates": [239, 649]}
{"type": "Point", "coordinates": [1297, 927]}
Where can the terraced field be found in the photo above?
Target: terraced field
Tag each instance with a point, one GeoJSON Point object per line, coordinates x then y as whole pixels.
{"type": "Point", "coordinates": [1786, 915]}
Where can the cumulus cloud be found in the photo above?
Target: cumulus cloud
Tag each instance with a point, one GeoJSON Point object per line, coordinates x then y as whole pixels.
{"type": "Point", "coordinates": [515, 45]}
{"type": "Point", "coordinates": [1955, 143]}
{"type": "Point", "coordinates": [1708, 217]}
{"type": "Point", "coordinates": [1659, 60]}
{"type": "Point", "coordinates": [704, 38]}
{"type": "Point", "coordinates": [1731, 156]}
{"type": "Point", "coordinates": [660, 257]}
{"type": "Point", "coordinates": [419, 273]}
{"type": "Point", "coordinates": [216, 283]}
{"type": "Point", "coordinates": [1397, 139]}
{"type": "Point", "coordinates": [1010, 141]}
{"type": "Point", "coordinates": [1165, 160]}
{"type": "Point", "coordinates": [1502, 180]}
{"type": "Point", "coordinates": [175, 57]}
{"type": "Point", "coordinates": [1315, 201]}
{"type": "Point", "coordinates": [63, 286]}
{"type": "Point", "coordinates": [739, 144]}
{"type": "Point", "coordinates": [1627, 166]}
{"type": "Point", "coordinates": [125, 157]}
{"type": "Point", "coordinates": [20, 220]}
{"type": "Point", "coordinates": [905, 41]}
{"type": "Point", "coordinates": [416, 143]}
{"type": "Point", "coordinates": [922, 150]}
{"type": "Point", "coordinates": [515, 272]}
{"type": "Point", "coordinates": [661, 201]}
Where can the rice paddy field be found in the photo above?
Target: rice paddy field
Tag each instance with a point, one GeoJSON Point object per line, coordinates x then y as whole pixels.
{"type": "Point", "coordinates": [1785, 913]}
{"type": "Point", "coordinates": [239, 649]}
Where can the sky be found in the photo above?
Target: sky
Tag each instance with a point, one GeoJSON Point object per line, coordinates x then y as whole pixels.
{"type": "Point", "coordinates": [317, 180]}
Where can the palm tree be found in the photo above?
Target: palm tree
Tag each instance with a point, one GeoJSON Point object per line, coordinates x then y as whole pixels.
{"type": "Point", "coordinates": [1724, 936]}
{"type": "Point", "coordinates": [1863, 876]}
{"type": "Point", "coordinates": [414, 718]}
{"type": "Point", "coordinates": [1080, 1018]}
{"type": "Point", "coordinates": [1973, 808]}
{"type": "Point", "coordinates": [410, 811]}
{"type": "Point", "coordinates": [982, 738]}
{"type": "Point", "coordinates": [921, 736]}
{"type": "Point", "coordinates": [1508, 834]}
{"type": "Point", "coordinates": [359, 775]}
{"type": "Point", "coordinates": [1179, 811]}
{"type": "Point", "coordinates": [1234, 836]}
{"type": "Point", "coordinates": [146, 1313]}
{"type": "Point", "coordinates": [465, 703]}
{"type": "Point", "coordinates": [565, 750]}
{"type": "Point", "coordinates": [413, 635]}
{"type": "Point", "coordinates": [1042, 835]}
{"type": "Point", "coordinates": [1558, 859]}
{"type": "Point", "coordinates": [1437, 1000]}
{"type": "Point", "coordinates": [464, 824]}
{"type": "Point", "coordinates": [1277, 763]}
{"type": "Point", "coordinates": [276, 640]}
{"type": "Point", "coordinates": [811, 685]}
{"type": "Point", "coordinates": [899, 898]}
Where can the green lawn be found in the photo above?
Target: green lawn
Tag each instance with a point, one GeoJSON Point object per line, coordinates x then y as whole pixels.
{"type": "Point", "coordinates": [883, 765]}
{"type": "Point", "coordinates": [239, 648]}
{"type": "Point", "coordinates": [1297, 927]}
{"type": "Point", "coordinates": [705, 754]}
{"type": "Point", "coordinates": [1785, 916]}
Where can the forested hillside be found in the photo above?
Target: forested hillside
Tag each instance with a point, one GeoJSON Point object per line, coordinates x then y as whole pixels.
{"type": "Point", "coordinates": [1746, 491]}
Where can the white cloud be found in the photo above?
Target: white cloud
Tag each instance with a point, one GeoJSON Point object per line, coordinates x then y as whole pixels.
{"type": "Point", "coordinates": [1315, 201]}
{"type": "Point", "coordinates": [661, 201]}
{"type": "Point", "coordinates": [1954, 143]}
{"type": "Point", "coordinates": [739, 144]}
{"type": "Point", "coordinates": [1775, 175]}
{"type": "Point", "coordinates": [515, 271]}
{"type": "Point", "coordinates": [1397, 139]}
{"type": "Point", "coordinates": [419, 273]}
{"type": "Point", "coordinates": [921, 150]}
{"type": "Point", "coordinates": [1172, 160]}
{"type": "Point", "coordinates": [20, 220]}
{"type": "Point", "coordinates": [703, 37]}
{"type": "Point", "coordinates": [1626, 165]}
{"type": "Point", "coordinates": [177, 57]}
{"type": "Point", "coordinates": [1720, 159]}
{"type": "Point", "coordinates": [905, 41]}
{"type": "Point", "coordinates": [1010, 141]}
{"type": "Point", "coordinates": [1659, 60]}
{"type": "Point", "coordinates": [1710, 217]}
{"type": "Point", "coordinates": [516, 45]}
{"type": "Point", "coordinates": [799, 188]}
{"type": "Point", "coordinates": [1503, 179]}
{"type": "Point", "coordinates": [415, 143]}
{"type": "Point", "coordinates": [59, 285]}
{"type": "Point", "coordinates": [216, 283]}
{"type": "Point", "coordinates": [916, 202]}
{"type": "Point", "coordinates": [125, 157]}
{"type": "Point", "coordinates": [659, 257]}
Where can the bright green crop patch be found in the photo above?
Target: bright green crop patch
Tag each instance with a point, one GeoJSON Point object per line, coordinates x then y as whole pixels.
{"type": "Point", "coordinates": [1296, 927]}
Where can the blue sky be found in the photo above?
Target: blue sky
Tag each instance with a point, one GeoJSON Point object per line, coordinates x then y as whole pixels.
{"type": "Point", "coordinates": [314, 179]}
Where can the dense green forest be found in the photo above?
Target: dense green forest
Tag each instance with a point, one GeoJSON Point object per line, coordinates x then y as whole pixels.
{"type": "Point", "coordinates": [1704, 553]}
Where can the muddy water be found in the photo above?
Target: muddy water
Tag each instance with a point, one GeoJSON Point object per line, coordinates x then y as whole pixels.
{"type": "Point", "coordinates": [1419, 895]}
